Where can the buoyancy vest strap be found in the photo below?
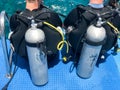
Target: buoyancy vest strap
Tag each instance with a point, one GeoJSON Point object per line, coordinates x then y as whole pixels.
{"type": "Point", "coordinates": [35, 14]}
{"type": "Point", "coordinates": [107, 11]}
{"type": "Point", "coordinates": [84, 8]}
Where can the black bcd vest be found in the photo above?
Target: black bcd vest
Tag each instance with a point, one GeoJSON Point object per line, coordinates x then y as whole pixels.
{"type": "Point", "coordinates": [76, 37]}
{"type": "Point", "coordinates": [18, 36]}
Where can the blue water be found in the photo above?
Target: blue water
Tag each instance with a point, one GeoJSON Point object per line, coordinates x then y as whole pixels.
{"type": "Point", "coordinates": [61, 6]}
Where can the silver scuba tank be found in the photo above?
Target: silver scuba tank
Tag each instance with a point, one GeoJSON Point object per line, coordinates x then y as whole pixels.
{"type": "Point", "coordinates": [95, 38]}
{"type": "Point", "coordinates": [36, 55]}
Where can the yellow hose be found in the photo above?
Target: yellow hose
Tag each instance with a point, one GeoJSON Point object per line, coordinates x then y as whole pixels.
{"type": "Point", "coordinates": [114, 28]}
{"type": "Point", "coordinates": [61, 43]}
{"type": "Point", "coordinates": [116, 31]}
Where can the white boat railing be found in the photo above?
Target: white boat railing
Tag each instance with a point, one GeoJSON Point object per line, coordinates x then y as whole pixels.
{"type": "Point", "coordinates": [3, 19]}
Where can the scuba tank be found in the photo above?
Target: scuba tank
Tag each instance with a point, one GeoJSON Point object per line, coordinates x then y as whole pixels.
{"type": "Point", "coordinates": [94, 40]}
{"type": "Point", "coordinates": [35, 39]}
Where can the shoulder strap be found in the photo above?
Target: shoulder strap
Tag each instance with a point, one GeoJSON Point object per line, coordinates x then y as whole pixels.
{"type": "Point", "coordinates": [26, 17]}
{"type": "Point", "coordinates": [36, 14]}
{"type": "Point", "coordinates": [43, 11]}
{"type": "Point", "coordinates": [81, 9]}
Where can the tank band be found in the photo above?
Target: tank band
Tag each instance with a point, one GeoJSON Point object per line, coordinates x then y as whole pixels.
{"type": "Point", "coordinates": [95, 43]}
{"type": "Point", "coordinates": [34, 44]}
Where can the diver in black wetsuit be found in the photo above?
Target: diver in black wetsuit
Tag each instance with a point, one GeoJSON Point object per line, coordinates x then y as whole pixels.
{"type": "Point", "coordinates": [78, 20]}
{"type": "Point", "coordinates": [21, 20]}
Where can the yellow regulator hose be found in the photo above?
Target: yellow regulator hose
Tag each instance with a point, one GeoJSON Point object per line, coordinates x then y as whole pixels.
{"type": "Point", "coordinates": [116, 31]}
{"type": "Point", "coordinates": [61, 43]}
